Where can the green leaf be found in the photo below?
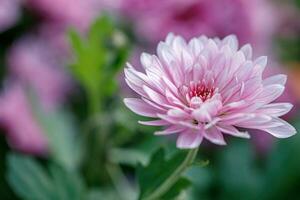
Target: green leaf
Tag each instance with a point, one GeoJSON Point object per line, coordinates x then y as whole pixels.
{"type": "Point", "coordinates": [28, 179]}
{"type": "Point", "coordinates": [153, 175]}
{"type": "Point", "coordinates": [31, 181]}
{"type": "Point", "coordinates": [282, 175]}
{"type": "Point", "coordinates": [67, 185]}
{"type": "Point", "coordinates": [127, 156]}
{"type": "Point", "coordinates": [102, 193]}
{"type": "Point", "coordinates": [98, 56]}
{"type": "Point", "coordinates": [180, 185]}
{"type": "Point", "coordinates": [64, 146]}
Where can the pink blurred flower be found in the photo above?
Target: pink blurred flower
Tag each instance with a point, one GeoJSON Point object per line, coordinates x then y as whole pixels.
{"type": "Point", "coordinates": [206, 88]}
{"type": "Point", "coordinates": [252, 21]}
{"type": "Point", "coordinates": [34, 61]}
{"type": "Point", "coordinates": [77, 13]}
{"type": "Point", "coordinates": [9, 13]}
{"type": "Point", "coordinates": [23, 131]}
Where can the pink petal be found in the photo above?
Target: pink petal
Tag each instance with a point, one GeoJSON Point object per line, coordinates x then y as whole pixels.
{"type": "Point", "coordinates": [178, 113]}
{"type": "Point", "coordinates": [270, 93]}
{"type": "Point", "coordinates": [155, 96]}
{"type": "Point", "coordinates": [283, 131]}
{"type": "Point", "coordinates": [247, 50]}
{"type": "Point", "coordinates": [140, 107]}
{"type": "Point", "coordinates": [207, 111]}
{"type": "Point", "coordinates": [276, 109]}
{"type": "Point", "coordinates": [231, 130]}
{"type": "Point", "coordinates": [189, 139]}
{"type": "Point", "coordinates": [170, 130]}
{"type": "Point", "coordinates": [154, 123]}
{"type": "Point", "coordinates": [215, 136]}
{"type": "Point", "coordinates": [277, 79]}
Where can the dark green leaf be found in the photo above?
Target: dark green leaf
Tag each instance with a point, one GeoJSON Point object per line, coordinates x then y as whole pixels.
{"type": "Point", "coordinates": [150, 177]}
{"type": "Point", "coordinates": [180, 185]}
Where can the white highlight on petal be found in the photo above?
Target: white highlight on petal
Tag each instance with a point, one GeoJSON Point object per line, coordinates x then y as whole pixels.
{"type": "Point", "coordinates": [283, 131]}
{"type": "Point", "coordinates": [189, 139]}
{"type": "Point", "coordinates": [215, 136]}
{"type": "Point", "coordinates": [140, 107]}
{"type": "Point", "coordinates": [276, 79]}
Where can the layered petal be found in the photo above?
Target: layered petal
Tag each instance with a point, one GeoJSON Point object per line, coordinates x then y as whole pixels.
{"type": "Point", "coordinates": [205, 88]}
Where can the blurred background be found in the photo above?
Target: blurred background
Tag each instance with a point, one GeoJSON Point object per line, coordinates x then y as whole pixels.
{"type": "Point", "coordinates": [65, 133]}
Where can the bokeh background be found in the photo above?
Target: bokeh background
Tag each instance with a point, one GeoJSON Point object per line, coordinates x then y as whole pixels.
{"type": "Point", "coordinates": [65, 133]}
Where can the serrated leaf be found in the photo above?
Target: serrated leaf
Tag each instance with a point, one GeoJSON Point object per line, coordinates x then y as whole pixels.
{"type": "Point", "coordinates": [153, 175]}
{"type": "Point", "coordinates": [98, 58]}
{"type": "Point", "coordinates": [29, 179]}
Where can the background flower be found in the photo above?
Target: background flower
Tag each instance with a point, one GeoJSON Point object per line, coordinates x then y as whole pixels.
{"type": "Point", "coordinates": [251, 21]}
{"type": "Point", "coordinates": [23, 132]}
{"type": "Point", "coordinates": [10, 11]}
{"type": "Point", "coordinates": [35, 62]}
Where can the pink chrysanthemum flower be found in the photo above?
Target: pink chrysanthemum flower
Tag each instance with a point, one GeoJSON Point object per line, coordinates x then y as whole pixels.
{"type": "Point", "coordinates": [206, 88]}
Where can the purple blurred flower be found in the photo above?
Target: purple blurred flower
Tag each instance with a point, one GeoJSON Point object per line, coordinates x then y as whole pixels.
{"type": "Point", "coordinates": [77, 13]}
{"type": "Point", "coordinates": [34, 61]}
{"type": "Point", "coordinates": [9, 13]}
{"type": "Point", "coordinates": [206, 88]}
{"type": "Point", "coordinates": [23, 131]}
{"type": "Point", "coordinates": [252, 21]}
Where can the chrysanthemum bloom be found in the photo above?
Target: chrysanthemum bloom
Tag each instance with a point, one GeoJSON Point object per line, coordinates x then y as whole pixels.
{"type": "Point", "coordinates": [206, 88]}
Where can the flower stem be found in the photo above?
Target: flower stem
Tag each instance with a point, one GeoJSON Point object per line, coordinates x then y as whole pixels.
{"type": "Point", "coordinates": [174, 177]}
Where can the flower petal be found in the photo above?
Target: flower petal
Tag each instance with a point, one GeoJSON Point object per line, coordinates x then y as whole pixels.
{"type": "Point", "coordinates": [270, 93]}
{"type": "Point", "coordinates": [170, 130]}
{"type": "Point", "coordinates": [189, 139]}
{"type": "Point", "coordinates": [154, 123]}
{"type": "Point", "coordinates": [140, 107]}
{"type": "Point", "coordinates": [283, 131]}
{"type": "Point", "coordinates": [214, 135]}
{"type": "Point", "coordinates": [277, 79]}
{"type": "Point", "coordinates": [231, 130]}
{"type": "Point", "coordinates": [276, 109]}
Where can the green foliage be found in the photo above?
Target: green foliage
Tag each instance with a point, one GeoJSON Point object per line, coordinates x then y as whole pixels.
{"type": "Point", "coordinates": [282, 177]}
{"type": "Point", "coordinates": [153, 175]}
{"type": "Point", "coordinates": [31, 181]}
{"type": "Point", "coordinates": [98, 57]}
{"type": "Point", "coordinates": [64, 143]}
{"type": "Point", "coordinates": [289, 49]}
{"type": "Point", "coordinates": [297, 3]}
{"type": "Point", "coordinates": [237, 174]}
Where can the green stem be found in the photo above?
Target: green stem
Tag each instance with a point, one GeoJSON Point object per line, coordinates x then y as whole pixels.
{"type": "Point", "coordinates": [174, 177]}
{"type": "Point", "coordinates": [94, 101]}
